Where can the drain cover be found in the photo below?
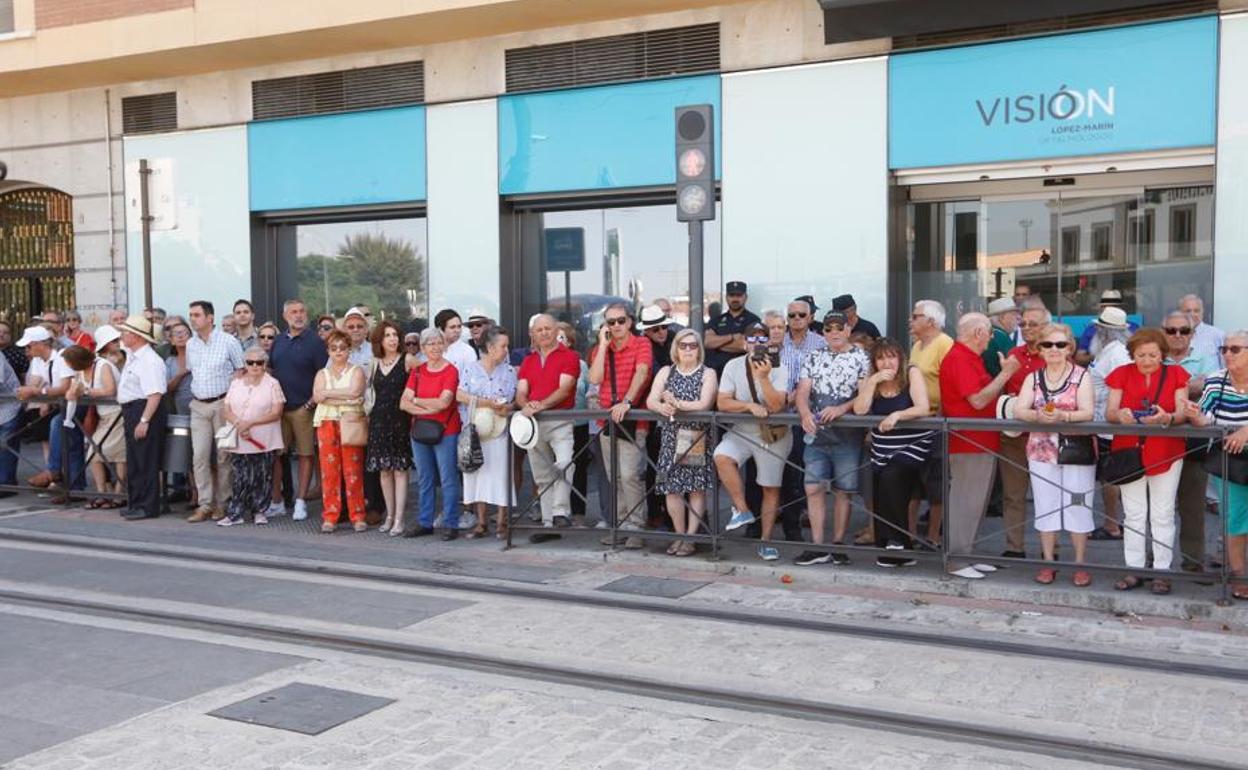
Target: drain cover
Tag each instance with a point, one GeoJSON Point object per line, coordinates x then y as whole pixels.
{"type": "Point", "coordinates": [665, 588]}
{"type": "Point", "coordinates": [302, 708]}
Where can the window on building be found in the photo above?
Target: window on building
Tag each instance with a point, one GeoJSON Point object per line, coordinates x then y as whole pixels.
{"type": "Point", "coordinates": [1103, 241]}
{"type": "Point", "coordinates": [7, 21]}
{"type": "Point", "coordinates": [1141, 232]}
{"type": "Point", "coordinates": [1183, 231]}
{"type": "Point", "coordinates": [1070, 245]}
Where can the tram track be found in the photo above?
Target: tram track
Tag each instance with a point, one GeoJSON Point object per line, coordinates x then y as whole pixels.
{"type": "Point", "coordinates": [935, 728]}
{"type": "Point", "coordinates": [581, 598]}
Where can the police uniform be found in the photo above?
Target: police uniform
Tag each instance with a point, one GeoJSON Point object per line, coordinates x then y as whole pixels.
{"type": "Point", "coordinates": [726, 324]}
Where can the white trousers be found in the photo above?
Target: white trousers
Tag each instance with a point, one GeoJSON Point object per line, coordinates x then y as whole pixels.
{"type": "Point", "coordinates": [1150, 502]}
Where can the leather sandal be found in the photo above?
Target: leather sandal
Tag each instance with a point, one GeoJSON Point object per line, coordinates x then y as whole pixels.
{"type": "Point", "coordinates": [1161, 586]}
{"type": "Point", "coordinates": [1127, 583]}
{"type": "Point", "coordinates": [1046, 575]}
{"type": "Point", "coordinates": [1240, 592]}
{"type": "Point", "coordinates": [1082, 579]}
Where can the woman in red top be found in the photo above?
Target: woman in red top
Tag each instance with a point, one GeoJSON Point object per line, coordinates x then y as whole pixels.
{"type": "Point", "coordinates": [430, 397]}
{"type": "Point", "coordinates": [75, 332]}
{"type": "Point", "coordinates": [1149, 392]}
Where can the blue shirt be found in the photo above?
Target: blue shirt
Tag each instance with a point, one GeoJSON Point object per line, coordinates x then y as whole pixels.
{"type": "Point", "coordinates": [1085, 339]}
{"type": "Point", "coordinates": [296, 360]}
{"type": "Point", "coordinates": [499, 386]}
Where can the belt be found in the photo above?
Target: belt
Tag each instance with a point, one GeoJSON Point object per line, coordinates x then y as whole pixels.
{"type": "Point", "coordinates": [210, 400]}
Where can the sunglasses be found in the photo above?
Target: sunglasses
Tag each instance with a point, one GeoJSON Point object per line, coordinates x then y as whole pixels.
{"type": "Point", "coordinates": [412, 344]}
{"type": "Point", "coordinates": [338, 348]}
{"type": "Point", "coordinates": [326, 327]}
{"type": "Point", "coordinates": [757, 340]}
{"type": "Point", "coordinates": [268, 336]}
{"type": "Point", "coordinates": [617, 321]}
{"type": "Point", "coordinates": [688, 346]}
{"type": "Point", "coordinates": [1178, 331]}
{"type": "Point", "coordinates": [1062, 345]}
{"type": "Point", "coordinates": [1032, 324]}
{"type": "Point", "coordinates": [476, 324]}
{"type": "Point", "coordinates": [253, 363]}
{"type": "Point", "coordinates": [798, 315]}
{"type": "Point", "coordinates": [1232, 349]}
{"type": "Point", "coordinates": [833, 328]}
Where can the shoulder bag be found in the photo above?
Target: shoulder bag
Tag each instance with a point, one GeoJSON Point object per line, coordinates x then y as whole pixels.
{"type": "Point", "coordinates": [468, 454]}
{"type": "Point", "coordinates": [370, 395]}
{"type": "Point", "coordinates": [690, 441]}
{"type": "Point", "coordinates": [629, 426]}
{"type": "Point", "coordinates": [91, 420]}
{"type": "Point", "coordinates": [1236, 464]}
{"type": "Point", "coordinates": [426, 430]}
{"type": "Point", "coordinates": [1071, 449]}
{"type": "Point", "coordinates": [1123, 466]}
{"type": "Point", "coordinates": [353, 426]}
{"type": "Point", "coordinates": [770, 434]}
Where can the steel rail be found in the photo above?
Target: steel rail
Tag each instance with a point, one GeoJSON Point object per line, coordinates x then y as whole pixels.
{"type": "Point", "coordinates": [794, 708]}
{"type": "Point", "coordinates": [415, 578]}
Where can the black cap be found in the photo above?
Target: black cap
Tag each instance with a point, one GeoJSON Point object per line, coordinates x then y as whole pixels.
{"type": "Point", "coordinates": [843, 302]}
{"type": "Point", "coordinates": [835, 317]}
{"type": "Point", "coordinates": [736, 287]}
{"type": "Point", "coordinates": [809, 300]}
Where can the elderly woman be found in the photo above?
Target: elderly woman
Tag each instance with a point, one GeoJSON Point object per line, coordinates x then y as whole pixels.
{"type": "Point", "coordinates": [1149, 392]}
{"type": "Point", "coordinates": [430, 399]}
{"type": "Point", "coordinates": [96, 378]}
{"type": "Point", "coordinates": [75, 333]}
{"type": "Point", "coordinates": [178, 334]}
{"type": "Point", "coordinates": [1225, 402]}
{"type": "Point", "coordinates": [685, 385]}
{"type": "Point", "coordinates": [253, 405]}
{"type": "Point", "coordinates": [1061, 392]}
{"type": "Point", "coordinates": [338, 392]}
{"type": "Point", "coordinates": [895, 391]}
{"type": "Point", "coordinates": [489, 384]}
{"type": "Point", "coordinates": [1109, 351]}
{"type": "Point", "coordinates": [16, 357]}
{"type": "Point", "coordinates": [266, 336]}
{"type": "Point", "coordinates": [389, 446]}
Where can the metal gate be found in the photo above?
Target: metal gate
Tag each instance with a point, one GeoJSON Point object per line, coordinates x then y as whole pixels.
{"type": "Point", "coordinates": [36, 251]}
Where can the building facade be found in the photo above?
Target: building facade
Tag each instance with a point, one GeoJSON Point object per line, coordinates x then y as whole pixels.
{"type": "Point", "coordinates": [424, 154]}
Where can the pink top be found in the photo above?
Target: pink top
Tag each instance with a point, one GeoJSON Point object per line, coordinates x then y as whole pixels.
{"type": "Point", "coordinates": [1042, 447]}
{"type": "Point", "coordinates": [249, 402]}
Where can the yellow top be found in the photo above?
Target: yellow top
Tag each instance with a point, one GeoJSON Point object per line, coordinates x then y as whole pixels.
{"type": "Point", "coordinates": [928, 360]}
{"type": "Point", "coordinates": [333, 412]}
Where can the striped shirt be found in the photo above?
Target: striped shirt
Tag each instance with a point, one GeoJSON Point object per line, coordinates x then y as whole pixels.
{"type": "Point", "coordinates": [792, 354]}
{"type": "Point", "coordinates": [1223, 402]}
{"type": "Point", "coordinates": [908, 446]}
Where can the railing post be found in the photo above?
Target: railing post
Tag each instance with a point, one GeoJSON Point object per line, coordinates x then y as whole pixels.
{"type": "Point", "coordinates": [946, 520]}
{"type": "Point", "coordinates": [712, 518]}
{"type": "Point", "coordinates": [614, 470]}
{"type": "Point", "coordinates": [511, 491]}
{"type": "Point", "coordinates": [1225, 516]}
{"type": "Point", "coordinates": [65, 470]}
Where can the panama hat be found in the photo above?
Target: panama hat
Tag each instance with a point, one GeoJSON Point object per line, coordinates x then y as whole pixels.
{"type": "Point", "coordinates": [1005, 411]}
{"type": "Point", "coordinates": [489, 424]}
{"type": "Point", "coordinates": [137, 324]}
{"type": "Point", "coordinates": [652, 317]}
{"type": "Point", "coordinates": [1001, 305]}
{"type": "Point", "coordinates": [523, 430]}
{"type": "Point", "coordinates": [1112, 318]}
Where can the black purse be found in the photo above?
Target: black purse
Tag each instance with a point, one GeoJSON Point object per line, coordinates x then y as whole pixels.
{"type": "Point", "coordinates": [1123, 466]}
{"type": "Point", "coordinates": [1071, 450]}
{"type": "Point", "coordinates": [1236, 464]}
{"type": "Point", "coordinates": [427, 432]}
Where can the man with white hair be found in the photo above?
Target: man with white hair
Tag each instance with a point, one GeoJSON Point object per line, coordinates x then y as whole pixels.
{"type": "Point", "coordinates": [1206, 338]}
{"type": "Point", "coordinates": [931, 345]}
{"type": "Point", "coordinates": [968, 391]}
{"type": "Point", "coordinates": [547, 381]}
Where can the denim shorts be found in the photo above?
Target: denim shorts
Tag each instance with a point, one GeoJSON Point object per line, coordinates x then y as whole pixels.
{"type": "Point", "coordinates": [836, 462]}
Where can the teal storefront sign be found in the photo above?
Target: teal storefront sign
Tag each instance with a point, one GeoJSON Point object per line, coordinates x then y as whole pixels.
{"type": "Point", "coordinates": [1126, 89]}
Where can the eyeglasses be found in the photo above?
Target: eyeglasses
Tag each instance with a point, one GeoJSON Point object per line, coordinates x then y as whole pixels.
{"type": "Point", "coordinates": [917, 316]}
{"type": "Point", "coordinates": [833, 328]}
{"type": "Point", "coordinates": [249, 362]}
{"type": "Point", "coordinates": [476, 324]}
{"type": "Point", "coordinates": [1061, 345]}
{"type": "Point", "coordinates": [1178, 331]}
{"type": "Point", "coordinates": [688, 346]}
{"type": "Point", "coordinates": [412, 343]}
{"type": "Point", "coordinates": [1232, 349]}
{"type": "Point", "coordinates": [798, 315]}
{"type": "Point", "coordinates": [268, 336]}
{"type": "Point", "coordinates": [617, 321]}
{"type": "Point", "coordinates": [1032, 324]}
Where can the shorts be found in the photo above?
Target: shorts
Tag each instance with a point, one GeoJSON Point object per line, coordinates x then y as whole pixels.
{"type": "Point", "coordinates": [768, 459]}
{"type": "Point", "coordinates": [297, 432]}
{"type": "Point", "coordinates": [932, 480]}
{"type": "Point", "coordinates": [836, 462]}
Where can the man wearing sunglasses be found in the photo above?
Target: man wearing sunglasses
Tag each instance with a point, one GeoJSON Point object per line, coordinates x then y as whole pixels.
{"type": "Point", "coordinates": [1109, 298]}
{"type": "Point", "coordinates": [1190, 498]}
{"type": "Point", "coordinates": [799, 341]}
{"type": "Point", "coordinates": [725, 333]}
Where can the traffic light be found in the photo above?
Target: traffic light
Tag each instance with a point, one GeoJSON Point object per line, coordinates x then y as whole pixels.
{"type": "Point", "coordinates": [695, 163]}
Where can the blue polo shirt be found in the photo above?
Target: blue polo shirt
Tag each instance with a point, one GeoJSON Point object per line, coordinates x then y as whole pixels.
{"type": "Point", "coordinates": [296, 360]}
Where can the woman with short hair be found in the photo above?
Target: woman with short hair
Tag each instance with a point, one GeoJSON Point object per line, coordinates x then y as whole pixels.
{"type": "Point", "coordinates": [96, 378]}
{"type": "Point", "coordinates": [489, 383]}
{"type": "Point", "coordinates": [75, 333]}
{"type": "Point", "coordinates": [253, 405]}
{"type": "Point", "coordinates": [430, 398]}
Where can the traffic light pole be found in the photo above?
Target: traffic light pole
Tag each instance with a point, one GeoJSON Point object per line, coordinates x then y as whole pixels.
{"type": "Point", "coordinates": [696, 290]}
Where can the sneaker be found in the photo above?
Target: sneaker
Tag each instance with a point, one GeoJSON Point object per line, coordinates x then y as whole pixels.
{"type": "Point", "coordinates": [301, 510]}
{"type": "Point", "coordinates": [276, 509]}
{"type": "Point", "coordinates": [839, 559]}
{"type": "Point", "coordinates": [894, 561]}
{"type": "Point", "coordinates": [739, 519]}
{"type": "Point", "coordinates": [768, 553]}
{"type": "Point", "coordinates": [969, 573]}
{"type": "Point", "coordinates": [807, 558]}
{"type": "Point", "coordinates": [230, 521]}
{"type": "Point", "coordinates": [602, 524]}
{"type": "Point", "coordinates": [468, 521]}
{"type": "Point", "coordinates": [260, 519]}
{"type": "Point", "coordinates": [985, 568]}
{"type": "Point", "coordinates": [894, 545]}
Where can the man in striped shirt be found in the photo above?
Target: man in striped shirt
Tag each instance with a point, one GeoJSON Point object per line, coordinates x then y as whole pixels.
{"type": "Point", "coordinates": [798, 343]}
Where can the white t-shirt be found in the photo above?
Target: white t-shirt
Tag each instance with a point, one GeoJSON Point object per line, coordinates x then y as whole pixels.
{"type": "Point", "coordinates": [40, 372]}
{"type": "Point", "coordinates": [461, 354]}
{"type": "Point", "coordinates": [734, 380]}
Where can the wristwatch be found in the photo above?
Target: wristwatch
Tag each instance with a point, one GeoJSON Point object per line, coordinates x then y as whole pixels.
{"type": "Point", "coordinates": [144, 420]}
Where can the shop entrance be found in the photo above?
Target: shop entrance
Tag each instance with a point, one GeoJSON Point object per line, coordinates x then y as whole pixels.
{"type": "Point", "coordinates": [1148, 235]}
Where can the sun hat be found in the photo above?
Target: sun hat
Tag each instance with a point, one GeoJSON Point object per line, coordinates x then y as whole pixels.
{"type": "Point", "coordinates": [106, 334]}
{"type": "Point", "coordinates": [1005, 411]}
{"type": "Point", "coordinates": [1111, 297]}
{"type": "Point", "coordinates": [523, 430]}
{"type": "Point", "coordinates": [1001, 305]}
{"type": "Point", "coordinates": [652, 317]}
{"type": "Point", "coordinates": [1112, 318]}
{"type": "Point", "coordinates": [137, 324]}
{"type": "Point", "coordinates": [489, 423]}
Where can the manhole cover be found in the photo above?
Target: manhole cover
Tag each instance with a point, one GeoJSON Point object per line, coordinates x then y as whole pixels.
{"type": "Point", "coordinates": [666, 588]}
{"type": "Point", "coordinates": [302, 708]}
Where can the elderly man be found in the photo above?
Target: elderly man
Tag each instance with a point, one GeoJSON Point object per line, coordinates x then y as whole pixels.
{"type": "Point", "coordinates": [1004, 316]}
{"type": "Point", "coordinates": [296, 358]}
{"type": "Point", "coordinates": [10, 425]}
{"type": "Point", "coordinates": [931, 345]}
{"type": "Point", "coordinates": [141, 394]}
{"type": "Point", "coordinates": [1179, 329]}
{"type": "Point", "coordinates": [213, 358]}
{"type": "Point", "coordinates": [355, 324]}
{"type": "Point", "coordinates": [1013, 466]}
{"type": "Point", "coordinates": [968, 391]}
{"type": "Point", "coordinates": [1109, 298]}
{"type": "Point", "coordinates": [1206, 338]}
{"type": "Point", "coordinates": [846, 304]}
{"type": "Point", "coordinates": [53, 379]}
{"type": "Point", "coordinates": [245, 324]}
{"type": "Point", "coordinates": [725, 333]}
{"type": "Point", "coordinates": [117, 316]}
{"type": "Point", "coordinates": [656, 325]}
{"type": "Point", "coordinates": [799, 341]}
{"type": "Point", "coordinates": [620, 366]}
{"type": "Point", "coordinates": [547, 382]}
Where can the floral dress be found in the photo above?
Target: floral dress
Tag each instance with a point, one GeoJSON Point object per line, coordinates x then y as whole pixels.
{"type": "Point", "coordinates": [389, 448]}
{"type": "Point", "coordinates": [1042, 447]}
{"type": "Point", "coordinates": [691, 472]}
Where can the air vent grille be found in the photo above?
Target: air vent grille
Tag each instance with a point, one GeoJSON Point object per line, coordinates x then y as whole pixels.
{"type": "Point", "coordinates": [149, 113]}
{"type": "Point", "coordinates": [639, 56]}
{"type": "Point", "coordinates": [366, 88]}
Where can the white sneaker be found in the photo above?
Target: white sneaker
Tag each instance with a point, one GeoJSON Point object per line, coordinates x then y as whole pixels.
{"type": "Point", "coordinates": [468, 521]}
{"type": "Point", "coordinates": [970, 573]}
{"type": "Point", "coordinates": [276, 509]}
{"type": "Point", "coordinates": [984, 567]}
{"type": "Point", "coordinates": [301, 510]}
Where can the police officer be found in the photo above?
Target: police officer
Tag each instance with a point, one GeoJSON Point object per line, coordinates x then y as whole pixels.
{"type": "Point", "coordinates": [725, 334]}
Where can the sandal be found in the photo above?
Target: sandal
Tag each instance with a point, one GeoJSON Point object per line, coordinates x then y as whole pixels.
{"type": "Point", "coordinates": [673, 548]}
{"type": "Point", "coordinates": [686, 549]}
{"type": "Point", "coordinates": [96, 504]}
{"type": "Point", "coordinates": [1161, 586]}
{"type": "Point", "coordinates": [1046, 575]}
{"type": "Point", "coordinates": [481, 530]}
{"type": "Point", "coordinates": [1100, 533]}
{"type": "Point", "coordinates": [1128, 583]}
{"type": "Point", "coordinates": [114, 504]}
{"type": "Point", "coordinates": [1082, 579]}
{"type": "Point", "coordinates": [864, 537]}
{"type": "Point", "coordinates": [1240, 592]}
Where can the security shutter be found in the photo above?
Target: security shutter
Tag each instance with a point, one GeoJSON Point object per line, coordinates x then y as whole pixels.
{"type": "Point", "coordinates": [149, 113]}
{"type": "Point", "coordinates": [619, 58]}
{"type": "Point", "coordinates": [366, 88]}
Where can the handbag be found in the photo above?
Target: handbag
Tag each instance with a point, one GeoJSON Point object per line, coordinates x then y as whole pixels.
{"type": "Point", "coordinates": [91, 420]}
{"type": "Point", "coordinates": [227, 438]}
{"type": "Point", "coordinates": [1123, 466]}
{"type": "Point", "coordinates": [1071, 449]}
{"type": "Point", "coordinates": [353, 429]}
{"type": "Point", "coordinates": [426, 431]}
{"type": "Point", "coordinates": [770, 434]}
{"type": "Point", "coordinates": [468, 455]}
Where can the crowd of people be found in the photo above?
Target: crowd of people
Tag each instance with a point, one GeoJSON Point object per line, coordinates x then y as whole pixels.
{"type": "Point", "coordinates": [346, 409]}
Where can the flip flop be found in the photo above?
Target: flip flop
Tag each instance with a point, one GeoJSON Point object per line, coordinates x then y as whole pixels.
{"type": "Point", "coordinates": [1100, 533]}
{"type": "Point", "coordinates": [96, 504]}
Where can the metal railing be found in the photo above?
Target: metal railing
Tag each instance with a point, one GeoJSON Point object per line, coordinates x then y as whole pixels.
{"type": "Point", "coordinates": [30, 422]}
{"type": "Point", "coordinates": [712, 534]}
